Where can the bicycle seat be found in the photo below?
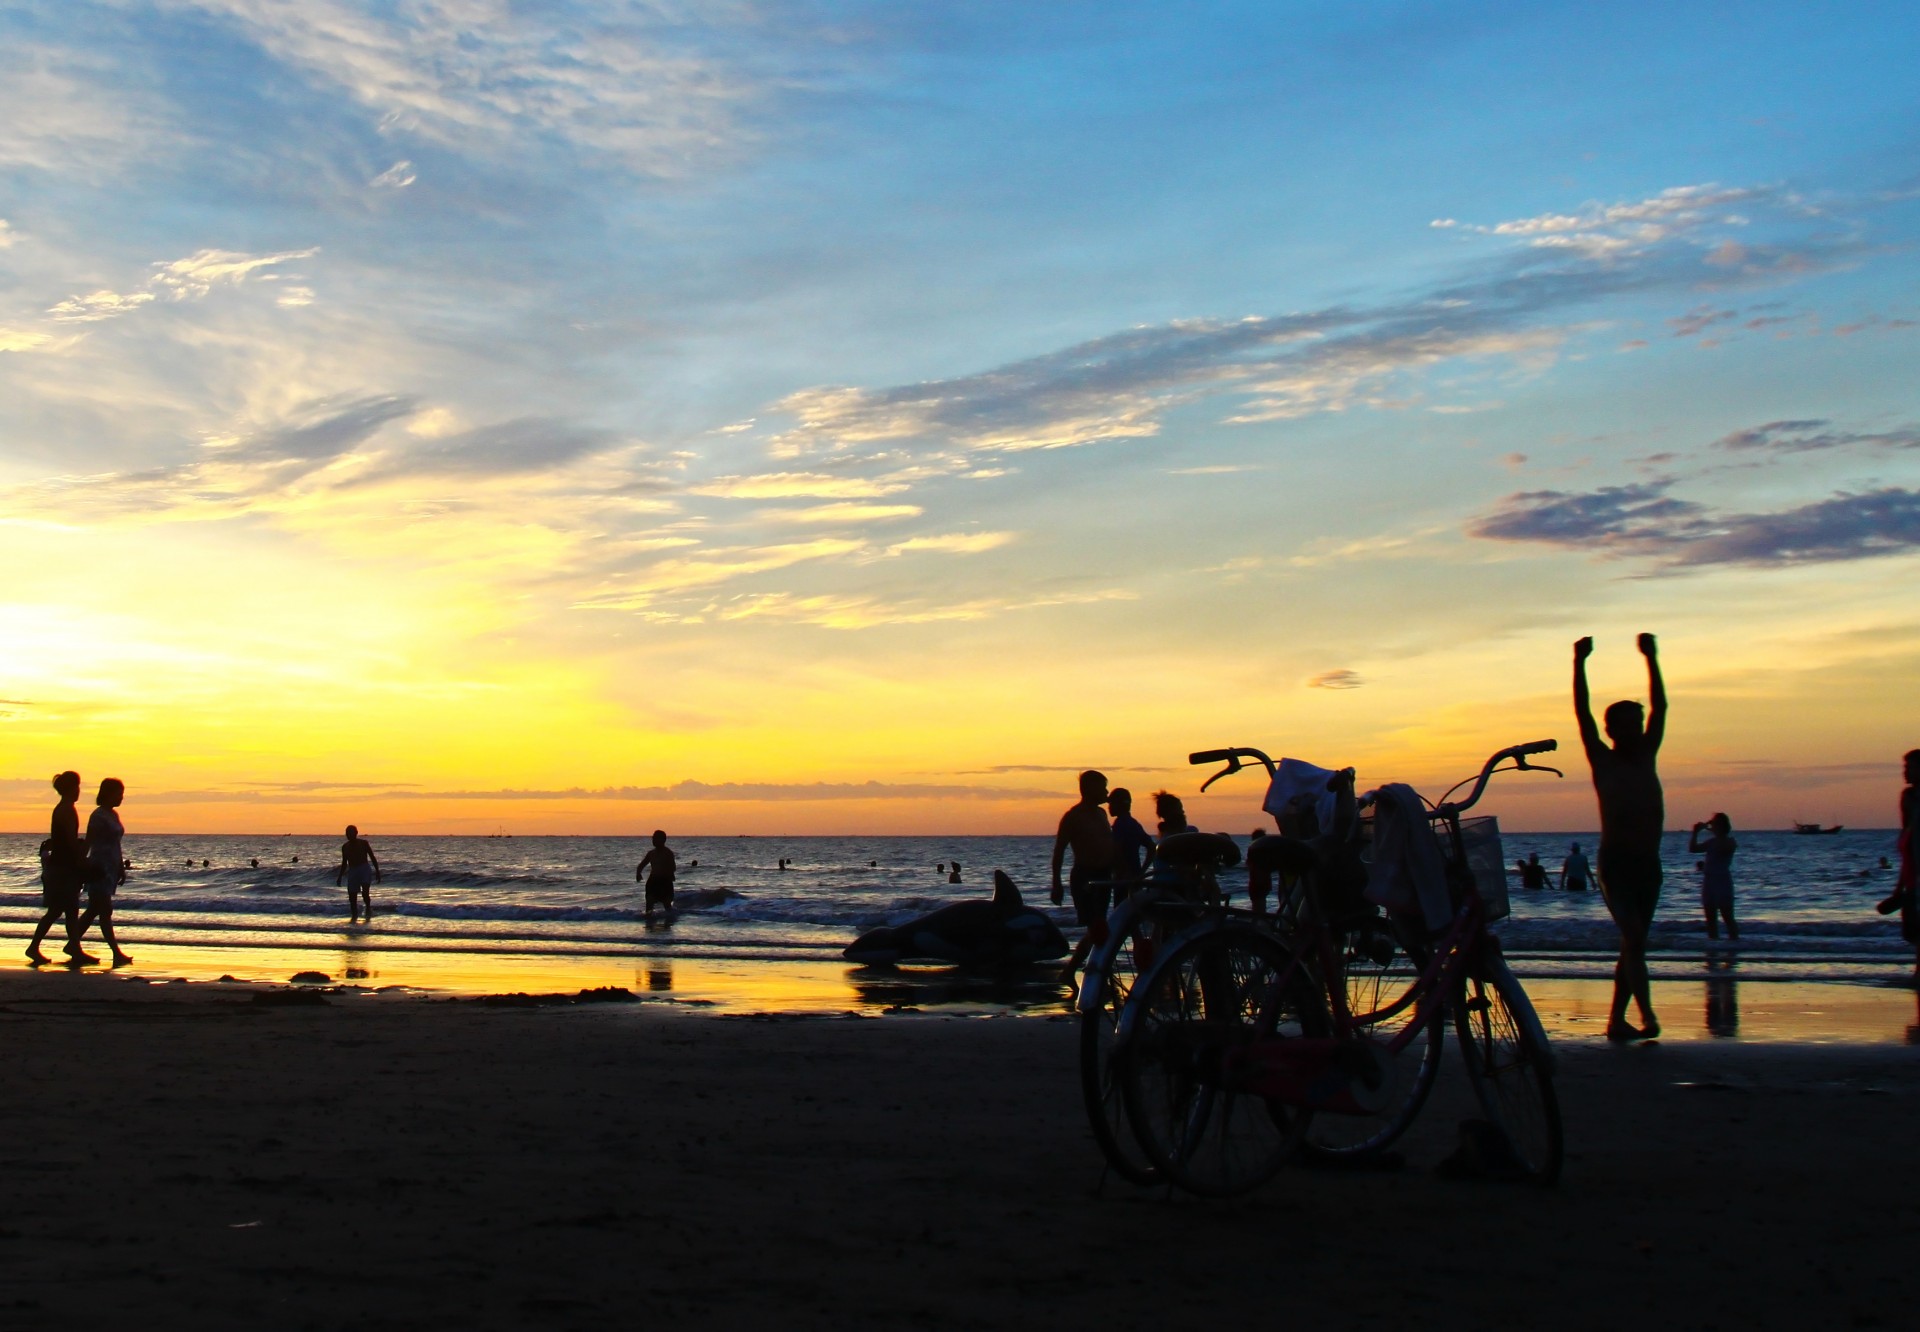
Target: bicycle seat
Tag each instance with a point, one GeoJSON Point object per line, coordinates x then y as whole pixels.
{"type": "Point", "coordinates": [1211, 850]}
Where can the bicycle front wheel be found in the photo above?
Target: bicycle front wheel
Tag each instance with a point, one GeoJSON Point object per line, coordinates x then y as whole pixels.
{"type": "Point", "coordinates": [1183, 1065]}
{"type": "Point", "coordinates": [1510, 1066]}
{"type": "Point", "coordinates": [1107, 983]}
{"type": "Point", "coordinates": [1382, 975]}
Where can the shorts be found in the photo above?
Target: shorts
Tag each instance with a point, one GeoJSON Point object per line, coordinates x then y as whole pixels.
{"type": "Point", "coordinates": [359, 876]}
{"type": "Point", "coordinates": [1630, 882]}
{"type": "Point", "coordinates": [659, 892]}
{"type": "Point", "coordinates": [1716, 892]}
{"type": "Point", "coordinates": [1092, 891]}
{"type": "Point", "coordinates": [60, 890]}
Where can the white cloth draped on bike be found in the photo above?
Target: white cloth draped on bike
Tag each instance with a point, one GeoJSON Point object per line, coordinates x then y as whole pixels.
{"type": "Point", "coordinates": [1408, 874]}
{"type": "Point", "coordinates": [1296, 777]}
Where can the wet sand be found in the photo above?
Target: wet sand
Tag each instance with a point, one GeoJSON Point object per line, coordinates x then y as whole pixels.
{"type": "Point", "coordinates": [187, 1154]}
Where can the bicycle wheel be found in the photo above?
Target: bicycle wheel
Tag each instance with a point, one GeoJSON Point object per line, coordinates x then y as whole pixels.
{"type": "Point", "coordinates": [1510, 1066]}
{"type": "Point", "coordinates": [1380, 970]}
{"type": "Point", "coordinates": [1189, 1020]}
{"type": "Point", "coordinates": [1106, 984]}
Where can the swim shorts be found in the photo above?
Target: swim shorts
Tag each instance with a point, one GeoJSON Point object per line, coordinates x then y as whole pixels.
{"type": "Point", "coordinates": [660, 892]}
{"type": "Point", "coordinates": [1092, 894]}
{"type": "Point", "coordinates": [359, 876]}
{"type": "Point", "coordinates": [1630, 882]}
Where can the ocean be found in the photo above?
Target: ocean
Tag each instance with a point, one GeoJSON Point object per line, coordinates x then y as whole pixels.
{"type": "Point", "coordinates": [1805, 903]}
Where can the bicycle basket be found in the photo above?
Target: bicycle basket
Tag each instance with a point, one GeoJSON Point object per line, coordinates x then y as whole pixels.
{"type": "Point", "coordinates": [1486, 862]}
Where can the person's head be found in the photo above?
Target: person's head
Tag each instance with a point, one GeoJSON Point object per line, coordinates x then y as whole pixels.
{"type": "Point", "coordinates": [1721, 825]}
{"type": "Point", "coordinates": [1626, 723]}
{"type": "Point", "coordinates": [352, 832]}
{"type": "Point", "coordinates": [1912, 764]}
{"type": "Point", "coordinates": [68, 785]}
{"type": "Point", "coordinates": [1574, 850]}
{"type": "Point", "coordinates": [1121, 801]}
{"type": "Point", "coordinates": [659, 837]}
{"type": "Point", "coordinates": [1534, 858]}
{"type": "Point", "coordinates": [1168, 809]}
{"type": "Point", "coordinates": [112, 792]}
{"type": "Point", "coordinates": [1093, 786]}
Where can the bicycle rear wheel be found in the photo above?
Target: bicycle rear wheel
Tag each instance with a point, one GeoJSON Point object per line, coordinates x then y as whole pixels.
{"type": "Point", "coordinates": [1379, 970]}
{"type": "Point", "coordinates": [1510, 1066]}
{"type": "Point", "coordinates": [1108, 981]}
{"type": "Point", "coordinates": [1189, 1020]}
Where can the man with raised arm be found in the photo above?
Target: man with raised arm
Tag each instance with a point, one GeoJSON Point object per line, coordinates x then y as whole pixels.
{"type": "Point", "coordinates": [1632, 818]}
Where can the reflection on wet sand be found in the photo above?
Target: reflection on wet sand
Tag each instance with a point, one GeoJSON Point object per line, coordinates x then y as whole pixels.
{"type": "Point", "coordinates": [913, 987]}
{"type": "Point", "coordinates": [660, 977]}
{"type": "Point", "coordinates": [1723, 996]}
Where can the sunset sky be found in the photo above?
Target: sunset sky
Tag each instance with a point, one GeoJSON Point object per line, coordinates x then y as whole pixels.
{"type": "Point", "coordinates": [454, 415]}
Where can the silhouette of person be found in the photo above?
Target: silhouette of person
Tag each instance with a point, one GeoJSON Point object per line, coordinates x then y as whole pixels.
{"type": "Point", "coordinates": [1084, 828]}
{"type": "Point", "coordinates": [1132, 845]}
{"type": "Point", "coordinates": [1905, 897]}
{"type": "Point", "coordinates": [1716, 873]}
{"type": "Point", "coordinates": [106, 870]}
{"type": "Point", "coordinates": [361, 868]}
{"type": "Point", "coordinates": [255, 864]}
{"type": "Point", "coordinates": [660, 878]}
{"type": "Point", "coordinates": [1574, 870]}
{"type": "Point", "coordinates": [63, 864]}
{"type": "Point", "coordinates": [1632, 817]}
{"type": "Point", "coordinates": [953, 875]}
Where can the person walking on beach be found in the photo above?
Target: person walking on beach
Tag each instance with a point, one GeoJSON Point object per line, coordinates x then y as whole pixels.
{"type": "Point", "coordinates": [1632, 816]}
{"type": "Point", "coordinates": [62, 867]}
{"type": "Point", "coordinates": [660, 880]}
{"type": "Point", "coordinates": [1716, 873]}
{"type": "Point", "coordinates": [1905, 897]}
{"type": "Point", "coordinates": [361, 869]}
{"type": "Point", "coordinates": [106, 870]}
{"type": "Point", "coordinates": [1085, 830]}
{"type": "Point", "coordinates": [1574, 871]}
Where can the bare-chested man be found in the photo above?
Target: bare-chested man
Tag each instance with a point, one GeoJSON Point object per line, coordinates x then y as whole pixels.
{"type": "Point", "coordinates": [1085, 829]}
{"type": "Point", "coordinates": [1632, 817]}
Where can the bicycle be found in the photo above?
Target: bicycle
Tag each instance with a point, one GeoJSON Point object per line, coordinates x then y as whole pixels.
{"type": "Point", "coordinates": [1245, 1034]}
{"type": "Point", "coordinates": [1145, 912]}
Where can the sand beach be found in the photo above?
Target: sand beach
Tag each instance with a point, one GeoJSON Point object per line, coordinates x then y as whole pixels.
{"type": "Point", "coordinates": [226, 1155]}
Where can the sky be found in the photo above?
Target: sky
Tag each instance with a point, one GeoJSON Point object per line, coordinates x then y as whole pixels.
{"type": "Point", "coordinates": [596, 415]}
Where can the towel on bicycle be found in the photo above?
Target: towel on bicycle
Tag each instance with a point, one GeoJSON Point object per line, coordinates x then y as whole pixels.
{"type": "Point", "coordinates": [1297, 779]}
{"type": "Point", "coordinates": [1408, 876]}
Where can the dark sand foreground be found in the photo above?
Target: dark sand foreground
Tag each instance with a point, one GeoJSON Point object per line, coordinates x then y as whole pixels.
{"type": "Point", "coordinates": [180, 1155]}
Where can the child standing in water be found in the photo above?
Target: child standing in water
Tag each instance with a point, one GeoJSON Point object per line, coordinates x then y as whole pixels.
{"type": "Point", "coordinates": [660, 881]}
{"type": "Point", "coordinates": [1716, 873]}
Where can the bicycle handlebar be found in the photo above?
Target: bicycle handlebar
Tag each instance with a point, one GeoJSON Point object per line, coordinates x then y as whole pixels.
{"type": "Point", "coordinates": [1518, 753]}
{"type": "Point", "coordinates": [1230, 757]}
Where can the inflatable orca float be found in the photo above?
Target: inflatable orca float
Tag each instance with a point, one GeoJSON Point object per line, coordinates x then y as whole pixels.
{"type": "Point", "coordinates": [995, 933]}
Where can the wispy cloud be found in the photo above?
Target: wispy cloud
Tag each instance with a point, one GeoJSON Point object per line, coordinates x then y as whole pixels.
{"type": "Point", "coordinates": [1814, 436]}
{"type": "Point", "coordinates": [1642, 522]}
{"type": "Point", "coordinates": [1511, 313]}
{"type": "Point", "coordinates": [1340, 679]}
{"type": "Point", "coordinates": [626, 78]}
{"type": "Point", "coordinates": [177, 279]}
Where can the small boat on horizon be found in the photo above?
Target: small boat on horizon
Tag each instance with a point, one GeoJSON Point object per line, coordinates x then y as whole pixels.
{"type": "Point", "coordinates": [1814, 828]}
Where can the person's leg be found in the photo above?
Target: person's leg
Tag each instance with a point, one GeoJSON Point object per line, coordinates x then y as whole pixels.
{"type": "Point", "coordinates": [353, 905]}
{"type": "Point", "coordinates": [1642, 983]}
{"type": "Point", "coordinates": [120, 957]}
{"type": "Point", "coordinates": [1733, 926]}
{"type": "Point", "coordinates": [53, 913]}
{"type": "Point", "coordinates": [1713, 923]}
{"type": "Point", "coordinates": [73, 949]}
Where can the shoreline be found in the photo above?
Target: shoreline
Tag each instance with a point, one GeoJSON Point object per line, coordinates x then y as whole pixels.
{"type": "Point", "coordinates": [1713, 1007]}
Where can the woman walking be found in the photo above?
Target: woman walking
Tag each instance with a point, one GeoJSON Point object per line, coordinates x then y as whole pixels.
{"type": "Point", "coordinates": [106, 870]}
{"type": "Point", "coordinates": [1716, 873]}
{"type": "Point", "coordinates": [62, 868]}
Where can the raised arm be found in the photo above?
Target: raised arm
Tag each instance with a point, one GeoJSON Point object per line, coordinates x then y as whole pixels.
{"type": "Point", "coordinates": [1656, 693]}
{"type": "Point", "coordinates": [1583, 700]}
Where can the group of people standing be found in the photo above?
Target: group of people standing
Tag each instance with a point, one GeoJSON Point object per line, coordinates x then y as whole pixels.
{"type": "Point", "coordinates": [71, 862]}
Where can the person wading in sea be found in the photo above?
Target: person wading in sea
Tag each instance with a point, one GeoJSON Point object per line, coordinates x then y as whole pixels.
{"type": "Point", "coordinates": [1632, 816]}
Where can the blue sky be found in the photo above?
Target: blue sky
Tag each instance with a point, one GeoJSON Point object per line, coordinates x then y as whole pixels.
{"type": "Point", "coordinates": [816, 392]}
